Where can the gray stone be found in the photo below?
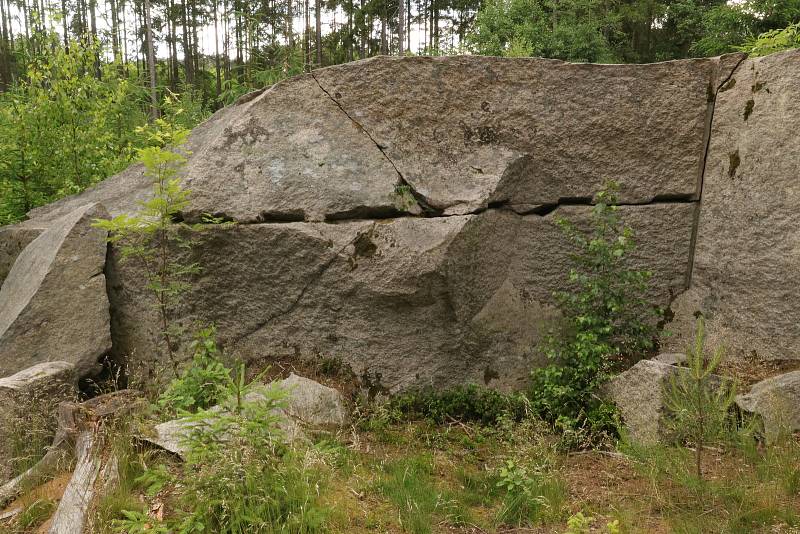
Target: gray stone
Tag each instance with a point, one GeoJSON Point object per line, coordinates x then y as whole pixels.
{"type": "Point", "coordinates": [462, 132]}
{"type": "Point", "coordinates": [777, 401]}
{"type": "Point", "coordinates": [405, 302]}
{"type": "Point", "coordinates": [639, 395]}
{"type": "Point", "coordinates": [28, 406]}
{"type": "Point", "coordinates": [286, 153]}
{"type": "Point", "coordinates": [307, 403]}
{"type": "Point", "coordinates": [468, 131]}
{"type": "Point", "coordinates": [53, 304]}
{"type": "Point", "coordinates": [13, 240]}
{"type": "Point", "coordinates": [312, 403]}
{"type": "Point", "coordinates": [747, 257]}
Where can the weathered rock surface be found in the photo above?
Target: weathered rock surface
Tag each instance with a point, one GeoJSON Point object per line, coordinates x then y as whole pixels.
{"type": "Point", "coordinates": [407, 301]}
{"type": "Point", "coordinates": [308, 403]}
{"type": "Point", "coordinates": [462, 132]}
{"type": "Point", "coordinates": [312, 403]}
{"type": "Point", "coordinates": [53, 303]}
{"type": "Point", "coordinates": [468, 131]}
{"type": "Point", "coordinates": [639, 395]}
{"type": "Point", "coordinates": [746, 276]}
{"type": "Point", "coordinates": [13, 240]}
{"type": "Point", "coordinates": [777, 401]}
{"type": "Point", "coordinates": [329, 171]}
{"type": "Point", "coordinates": [28, 402]}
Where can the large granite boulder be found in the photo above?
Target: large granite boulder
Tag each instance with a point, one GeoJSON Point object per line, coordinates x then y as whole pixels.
{"type": "Point", "coordinates": [53, 303]}
{"type": "Point", "coordinates": [405, 302]}
{"type": "Point", "coordinates": [747, 257]}
{"type": "Point", "coordinates": [399, 214]}
{"type": "Point", "coordinates": [391, 136]}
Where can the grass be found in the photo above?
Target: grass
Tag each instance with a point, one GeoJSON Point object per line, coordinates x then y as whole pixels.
{"type": "Point", "coordinates": [423, 477]}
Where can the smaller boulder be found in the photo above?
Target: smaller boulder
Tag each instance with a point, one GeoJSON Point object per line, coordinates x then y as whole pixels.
{"type": "Point", "coordinates": [776, 401]}
{"type": "Point", "coordinates": [314, 404]}
{"type": "Point", "coordinates": [28, 404]}
{"type": "Point", "coordinates": [639, 395]}
{"type": "Point", "coordinates": [307, 403]}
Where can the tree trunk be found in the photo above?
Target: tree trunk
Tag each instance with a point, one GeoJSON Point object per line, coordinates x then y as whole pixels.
{"type": "Point", "coordinates": [401, 26]}
{"type": "Point", "coordinates": [217, 62]}
{"type": "Point", "coordinates": [318, 33]}
{"type": "Point", "coordinates": [187, 51]}
{"type": "Point", "coordinates": [151, 61]}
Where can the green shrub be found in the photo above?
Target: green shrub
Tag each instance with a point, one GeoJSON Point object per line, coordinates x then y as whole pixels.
{"type": "Point", "coordinates": [469, 403]}
{"type": "Point", "coordinates": [774, 41]}
{"type": "Point", "coordinates": [203, 383]}
{"type": "Point", "coordinates": [608, 324]}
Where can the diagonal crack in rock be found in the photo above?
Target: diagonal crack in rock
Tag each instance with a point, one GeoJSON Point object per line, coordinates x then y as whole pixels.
{"type": "Point", "coordinates": [423, 203]}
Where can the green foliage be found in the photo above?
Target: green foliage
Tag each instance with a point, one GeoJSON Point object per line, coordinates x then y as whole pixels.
{"type": "Point", "coordinates": [469, 403]}
{"type": "Point", "coordinates": [517, 28]}
{"type": "Point", "coordinates": [62, 131]}
{"type": "Point", "coordinates": [581, 524]}
{"type": "Point", "coordinates": [774, 41]}
{"type": "Point", "coordinates": [531, 495]}
{"type": "Point", "coordinates": [698, 402]}
{"type": "Point", "coordinates": [608, 324]}
{"type": "Point", "coordinates": [239, 475]}
{"type": "Point", "coordinates": [203, 383]}
{"type": "Point", "coordinates": [532, 489]}
{"type": "Point", "coordinates": [152, 236]}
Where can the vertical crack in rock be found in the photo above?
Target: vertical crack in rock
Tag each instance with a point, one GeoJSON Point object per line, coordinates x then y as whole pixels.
{"type": "Point", "coordinates": [428, 210]}
{"type": "Point", "coordinates": [707, 141]}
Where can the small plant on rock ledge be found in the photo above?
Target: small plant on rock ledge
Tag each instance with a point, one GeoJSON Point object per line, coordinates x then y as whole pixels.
{"type": "Point", "coordinates": [608, 323]}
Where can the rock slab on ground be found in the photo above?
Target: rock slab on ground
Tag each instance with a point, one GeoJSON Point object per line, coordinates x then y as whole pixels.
{"type": "Point", "coordinates": [307, 403]}
{"type": "Point", "coordinates": [777, 401]}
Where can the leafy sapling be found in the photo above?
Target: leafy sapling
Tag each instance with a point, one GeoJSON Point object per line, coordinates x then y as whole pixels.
{"type": "Point", "coordinates": [608, 321]}
{"type": "Point", "coordinates": [152, 235]}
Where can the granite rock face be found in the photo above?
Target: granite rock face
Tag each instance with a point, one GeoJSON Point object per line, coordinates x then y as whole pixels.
{"type": "Point", "coordinates": [746, 276]}
{"type": "Point", "coordinates": [398, 214]}
{"type": "Point", "coordinates": [405, 302]}
{"type": "Point", "coordinates": [53, 303]}
{"type": "Point", "coordinates": [390, 136]}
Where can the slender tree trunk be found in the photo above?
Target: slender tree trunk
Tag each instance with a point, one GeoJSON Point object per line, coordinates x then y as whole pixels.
{"type": "Point", "coordinates": [362, 50]}
{"type": "Point", "coordinates": [151, 61]}
{"type": "Point", "coordinates": [124, 34]}
{"type": "Point", "coordinates": [217, 64]}
{"type": "Point", "coordinates": [408, 25]}
{"type": "Point", "coordinates": [401, 26]}
{"type": "Point", "coordinates": [307, 39]}
{"type": "Point", "coordinates": [187, 51]}
{"type": "Point", "coordinates": [318, 32]}
{"type": "Point", "coordinates": [114, 31]}
{"type": "Point", "coordinates": [5, 54]}
{"type": "Point", "coordinates": [350, 31]}
{"type": "Point", "coordinates": [383, 32]}
{"type": "Point", "coordinates": [176, 73]}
